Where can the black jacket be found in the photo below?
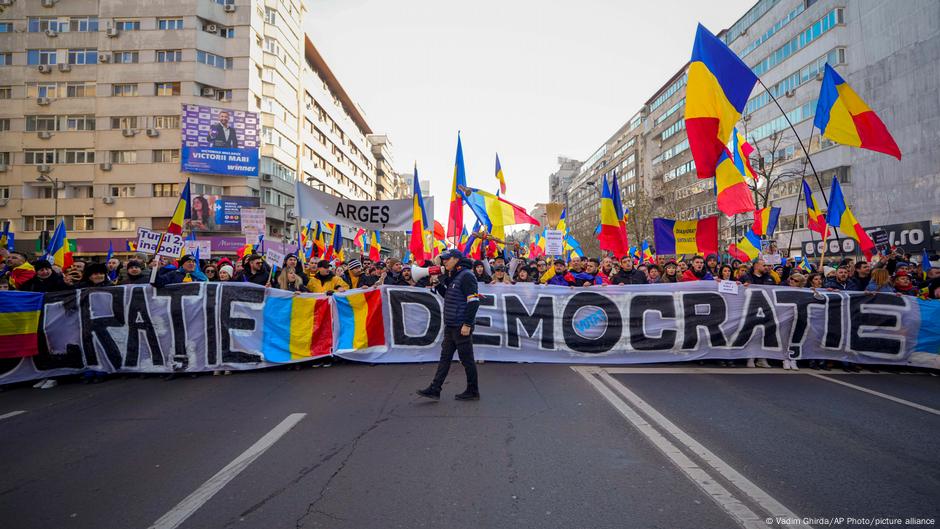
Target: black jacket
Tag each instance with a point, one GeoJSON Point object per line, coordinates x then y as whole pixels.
{"type": "Point", "coordinates": [53, 283]}
{"type": "Point", "coordinates": [461, 295]}
{"type": "Point", "coordinates": [763, 279]}
{"type": "Point", "coordinates": [365, 280]}
{"type": "Point", "coordinates": [259, 278]}
{"type": "Point", "coordinates": [633, 277]}
{"type": "Point", "coordinates": [140, 279]}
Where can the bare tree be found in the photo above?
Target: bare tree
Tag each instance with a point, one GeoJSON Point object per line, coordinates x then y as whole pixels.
{"type": "Point", "coordinates": [767, 161]}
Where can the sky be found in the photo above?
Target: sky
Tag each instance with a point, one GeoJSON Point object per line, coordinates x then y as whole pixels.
{"type": "Point", "coordinates": [530, 80]}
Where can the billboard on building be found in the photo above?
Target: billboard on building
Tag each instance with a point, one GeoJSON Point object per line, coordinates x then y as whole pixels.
{"type": "Point", "coordinates": [220, 141]}
{"type": "Point", "coordinates": [219, 213]}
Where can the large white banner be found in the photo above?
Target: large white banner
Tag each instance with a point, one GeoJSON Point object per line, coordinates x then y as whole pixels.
{"type": "Point", "coordinates": [381, 215]}
{"type": "Point", "coordinates": [191, 327]}
{"type": "Point", "coordinates": [667, 323]}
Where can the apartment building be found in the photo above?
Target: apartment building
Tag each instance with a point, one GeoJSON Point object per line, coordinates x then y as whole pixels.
{"type": "Point", "coordinates": [90, 119]}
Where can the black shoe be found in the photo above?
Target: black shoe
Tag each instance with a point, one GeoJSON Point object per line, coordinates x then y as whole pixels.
{"type": "Point", "coordinates": [429, 393]}
{"type": "Point", "coordinates": [468, 395]}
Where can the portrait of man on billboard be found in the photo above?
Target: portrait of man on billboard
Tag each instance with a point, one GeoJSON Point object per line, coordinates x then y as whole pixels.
{"type": "Point", "coordinates": [222, 134]}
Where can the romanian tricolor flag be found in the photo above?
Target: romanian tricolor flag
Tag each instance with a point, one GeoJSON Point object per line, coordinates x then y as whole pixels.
{"type": "Point", "coordinates": [765, 221]}
{"type": "Point", "coordinates": [611, 236]}
{"type": "Point", "coordinates": [734, 196]}
{"type": "Point", "coordinates": [742, 155]}
{"type": "Point", "coordinates": [816, 221]}
{"type": "Point", "coordinates": [130, 245]}
{"type": "Point", "coordinates": [59, 249]}
{"type": "Point", "coordinates": [419, 221]}
{"type": "Point", "coordinates": [747, 249]}
{"type": "Point", "coordinates": [647, 253]}
{"type": "Point", "coordinates": [675, 237]}
{"type": "Point", "coordinates": [182, 213]}
{"type": "Point", "coordinates": [455, 216]}
{"type": "Point", "coordinates": [495, 212]}
{"type": "Point", "coordinates": [361, 239]}
{"type": "Point", "coordinates": [335, 251]}
{"type": "Point", "coordinates": [622, 212]}
{"type": "Point", "coordinates": [843, 117]}
{"type": "Point", "coordinates": [19, 323]}
{"type": "Point", "coordinates": [718, 86]}
{"type": "Point", "coordinates": [360, 324]}
{"type": "Point", "coordinates": [375, 249]}
{"type": "Point", "coordinates": [296, 327]}
{"type": "Point", "coordinates": [562, 224]}
{"type": "Point", "coordinates": [840, 216]}
{"type": "Point", "coordinates": [500, 176]}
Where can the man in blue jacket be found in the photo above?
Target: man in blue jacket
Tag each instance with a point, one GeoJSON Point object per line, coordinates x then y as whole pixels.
{"type": "Point", "coordinates": [458, 286]}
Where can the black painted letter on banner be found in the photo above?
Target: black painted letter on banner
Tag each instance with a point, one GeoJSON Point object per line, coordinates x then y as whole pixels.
{"type": "Point", "coordinates": [542, 317]}
{"type": "Point", "coordinates": [758, 312]}
{"type": "Point", "coordinates": [396, 302]}
{"type": "Point", "coordinates": [138, 319]}
{"type": "Point", "coordinates": [612, 332]}
{"type": "Point", "coordinates": [711, 322]}
{"type": "Point", "coordinates": [97, 327]}
{"type": "Point", "coordinates": [228, 323]}
{"type": "Point", "coordinates": [640, 304]}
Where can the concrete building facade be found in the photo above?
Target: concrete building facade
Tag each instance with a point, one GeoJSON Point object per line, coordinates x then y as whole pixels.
{"type": "Point", "coordinates": [90, 103]}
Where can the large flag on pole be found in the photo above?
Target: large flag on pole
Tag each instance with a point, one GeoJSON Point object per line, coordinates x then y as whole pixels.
{"type": "Point", "coordinates": [840, 216]}
{"type": "Point", "coordinates": [734, 196]}
{"type": "Point", "coordinates": [620, 210]}
{"type": "Point", "coordinates": [495, 212]}
{"type": "Point", "coordinates": [500, 176]}
{"type": "Point", "coordinates": [611, 236]}
{"type": "Point", "coordinates": [765, 221]}
{"type": "Point", "coordinates": [717, 89]}
{"type": "Point", "coordinates": [843, 117]}
{"type": "Point", "coordinates": [182, 212]}
{"type": "Point", "coordinates": [58, 249]}
{"type": "Point", "coordinates": [455, 216]}
{"type": "Point", "coordinates": [816, 220]}
{"type": "Point", "coordinates": [419, 243]}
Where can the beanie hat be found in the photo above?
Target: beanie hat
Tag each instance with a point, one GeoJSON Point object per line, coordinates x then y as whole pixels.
{"type": "Point", "coordinates": [227, 269]}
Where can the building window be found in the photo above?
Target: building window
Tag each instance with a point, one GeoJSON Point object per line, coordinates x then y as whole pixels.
{"type": "Point", "coordinates": [810, 34]}
{"type": "Point", "coordinates": [41, 123]}
{"type": "Point", "coordinates": [127, 25]}
{"type": "Point", "coordinates": [167, 89]}
{"type": "Point", "coordinates": [216, 61]}
{"type": "Point", "coordinates": [83, 223]}
{"type": "Point", "coordinates": [124, 90]}
{"type": "Point", "coordinates": [169, 55]}
{"type": "Point", "coordinates": [123, 156]}
{"type": "Point", "coordinates": [39, 156]}
{"type": "Point", "coordinates": [6, 59]}
{"type": "Point", "coordinates": [81, 24]}
{"type": "Point", "coordinates": [4, 158]}
{"type": "Point", "coordinates": [6, 27]}
{"type": "Point", "coordinates": [36, 57]}
{"type": "Point", "coordinates": [5, 192]}
{"type": "Point", "coordinates": [77, 156]}
{"type": "Point", "coordinates": [123, 122]}
{"type": "Point", "coordinates": [122, 191]}
{"type": "Point", "coordinates": [4, 124]}
{"type": "Point", "coordinates": [80, 122]}
{"type": "Point", "coordinates": [169, 23]}
{"type": "Point", "coordinates": [270, 16]}
{"type": "Point", "coordinates": [166, 190]}
{"type": "Point", "coordinates": [125, 57]}
{"type": "Point", "coordinates": [83, 56]}
{"type": "Point", "coordinates": [166, 155]}
{"type": "Point", "coordinates": [40, 223]}
{"type": "Point", "coordinates": [204, 189]}
{"type": "Point", "coordinates": [166, 122]}
{"type": "Point", "coordinates": [81, 191]}
{"type": "Point", "coordinates": [42, 90]}
{"type": "Point", "coordinates": [6, 92]}
{"type": "Point", "coordinates": [123, 224]}
{"type": "Point", "coordinates": [82, 89]}
{"type": "Point", "coordinates": [41, 24]}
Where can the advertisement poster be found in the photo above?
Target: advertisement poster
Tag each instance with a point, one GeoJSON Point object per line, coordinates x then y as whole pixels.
{"type": "Point", "coordinates": [219, 141]}
{"type": "Point", "coordinates": [219, 213]}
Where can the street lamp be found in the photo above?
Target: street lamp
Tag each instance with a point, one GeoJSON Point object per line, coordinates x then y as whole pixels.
{"type": "Point", "coordinates": [55, 193]}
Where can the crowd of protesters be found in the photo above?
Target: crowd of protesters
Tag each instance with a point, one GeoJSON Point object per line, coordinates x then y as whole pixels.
{"type": "Point", "coordinates": [891, 273]}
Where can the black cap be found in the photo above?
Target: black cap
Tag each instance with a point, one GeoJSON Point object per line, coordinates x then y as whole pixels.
{"type": "Point", "coordinates": [185, 259]}
{"type": "Point", "coordinates": [39, 264]}
{"type": "Point", "coordinates": [133, 263]}
{"type": "Point", "coordinates": [451, 254]}
{"type": "Point", "coordinates": [323, 263]}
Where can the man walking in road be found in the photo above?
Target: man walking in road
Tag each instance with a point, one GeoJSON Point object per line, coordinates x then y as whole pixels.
{"type": "Point", "coordinates": [461, 301]}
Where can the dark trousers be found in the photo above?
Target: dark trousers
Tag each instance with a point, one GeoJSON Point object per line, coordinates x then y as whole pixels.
{"type": "Point", "coordinates": [453, 341]}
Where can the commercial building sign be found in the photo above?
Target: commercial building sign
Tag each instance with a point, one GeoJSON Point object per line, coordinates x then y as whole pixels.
{"type": "Point", "coordinates": [219, 213]}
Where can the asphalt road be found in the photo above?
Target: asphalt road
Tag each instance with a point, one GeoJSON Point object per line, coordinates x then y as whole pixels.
{"type": "Point", "coordinates": [544, 448]}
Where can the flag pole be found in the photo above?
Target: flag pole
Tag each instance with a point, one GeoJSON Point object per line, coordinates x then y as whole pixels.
{"type": "Point", "coordinates": [822, 256]}
{"type": "Point", "coordinates": [822, 191]}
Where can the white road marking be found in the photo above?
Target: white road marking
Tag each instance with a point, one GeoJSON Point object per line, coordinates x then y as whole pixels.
{"type": "Point", "coordinates": [177, 515]}
{"type": "Point", "coordinates": [11, 414]}
{"type": "Point", "coordinates": [715, 371]}
{"type": "Point", "coordinates": [725, 499]}
{"type": "Point", "coordinates": [743, 515]}
{"type": "Point", "coordinates": [892, 398]}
